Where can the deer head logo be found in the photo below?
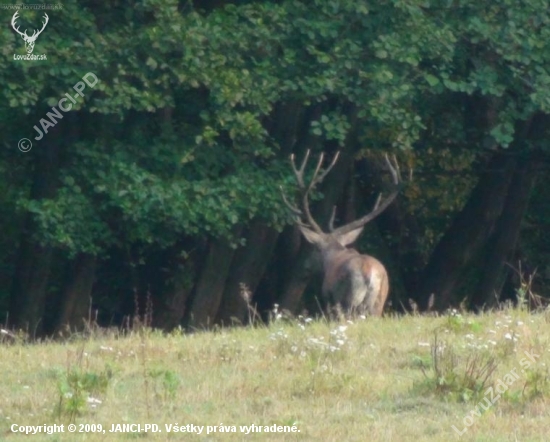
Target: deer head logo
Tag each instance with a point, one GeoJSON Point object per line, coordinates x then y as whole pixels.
{"type": "Point", "coordinates": [29, 40]}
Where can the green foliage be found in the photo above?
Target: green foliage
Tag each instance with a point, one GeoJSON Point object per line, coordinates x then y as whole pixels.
{"type": "Point", "coordinates": [76, 386]}
{"type": "Point", "coordinates": [457, 376]}
{"type": "Point", "coordinates": [457, 323]}
{"type": "Point", "coordinates": [165, 383]}
{"type": "Point", "coordinates": [537, 383]}
{"type": "Point", "coordinates": [186, 135]}
{"type": "Point", "coordinates": [224, 73]}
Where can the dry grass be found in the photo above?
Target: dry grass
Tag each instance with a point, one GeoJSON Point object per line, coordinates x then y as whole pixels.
{"type": "Point", "coordinates": [369, 380]}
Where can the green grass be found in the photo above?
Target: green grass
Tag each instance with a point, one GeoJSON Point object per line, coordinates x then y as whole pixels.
{"type": "Point", "coordinates": [405, 378]}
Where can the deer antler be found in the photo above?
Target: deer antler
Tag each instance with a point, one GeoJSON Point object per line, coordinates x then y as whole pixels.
{"type": "Point", "coordinates": [43, 26]}
{"type": "Point", "coordinates": [13, 20]}
{"type": "Point", "coordinates": [29, 39]}
{"type": "Point", "coordinates": [315, 180]}
{"type": "Point", "coordinates": [24, 34]}
{"type": "Point", "coordinates": [380, 204]}
{"type": "Point", "coordinates": [332, 218]}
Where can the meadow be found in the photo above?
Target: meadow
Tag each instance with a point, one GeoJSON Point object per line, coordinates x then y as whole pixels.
{"type": "Point", "coordinates": [397, 378]}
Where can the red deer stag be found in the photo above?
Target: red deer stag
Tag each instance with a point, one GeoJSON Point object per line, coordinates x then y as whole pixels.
{"type": "Point", "coordinates": [354, 282]}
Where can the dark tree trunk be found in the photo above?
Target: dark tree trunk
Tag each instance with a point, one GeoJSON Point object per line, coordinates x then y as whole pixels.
{"type": "Point", "coordinates": [501, 246]}
{"type": "Point", "coordinates": [247, 269]}
{"type": "Point", "coordinates": [289, 126]}
{"type": "Point", "coordinates": [401, 256]}
{"type": "Point", "coordinates": [171, 306]}
{"type": "Point", "coordinates": [279, 267]}
{"type": "Point", "coordinates": [210, 286]}
{"type": "Point", "coordinates": [466, 236]}
{"type": "Point", "coordinates": [297, 279]}
{"type": "Point", "coordinates": [285, 124]}
{"type": "Point", "coordinates": [28, 291]}
{"type": "Point", "coordinates": [76, 297]}
{"type": "Point", "coordinates": [407, 261]}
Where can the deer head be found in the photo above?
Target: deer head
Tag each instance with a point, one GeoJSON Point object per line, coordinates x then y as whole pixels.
{"type": "Point", "coordinates": [355, 282]}
{"type": "Point", "coordinates": [29, 40]}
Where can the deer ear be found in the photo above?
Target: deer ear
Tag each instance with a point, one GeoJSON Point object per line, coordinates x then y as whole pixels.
{"type": "Point", "coordinates": [310, 235]}
{"type": "Point", "coordinates": [350, 237]}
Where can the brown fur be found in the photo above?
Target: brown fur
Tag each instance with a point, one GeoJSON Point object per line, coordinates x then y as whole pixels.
{"type": "Point", "coordinates": [359, 283]}
{"type": "Point", "coordinates": [370, 264]}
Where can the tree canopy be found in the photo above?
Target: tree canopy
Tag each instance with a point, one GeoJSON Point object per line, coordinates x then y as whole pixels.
{"type": "Point", "coordinates": [163, 180]}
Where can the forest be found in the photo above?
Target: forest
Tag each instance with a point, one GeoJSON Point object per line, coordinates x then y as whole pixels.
{"type": "Point", "coordinates": [160, 135]}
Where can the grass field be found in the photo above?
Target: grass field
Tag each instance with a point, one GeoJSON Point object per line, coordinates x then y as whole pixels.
{"type": "Point", "coordinates": [409, 378]}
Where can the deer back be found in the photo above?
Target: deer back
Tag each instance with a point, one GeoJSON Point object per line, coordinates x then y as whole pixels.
{"type": "Point", "coordinates": [358, 283]}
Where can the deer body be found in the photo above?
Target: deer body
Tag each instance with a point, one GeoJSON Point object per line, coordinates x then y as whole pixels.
{"type": "Point", "coordinates": [356, 283]}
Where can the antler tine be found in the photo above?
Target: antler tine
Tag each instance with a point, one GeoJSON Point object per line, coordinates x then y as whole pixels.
{"type": "Point", "coordinates": [299, 173]}
{"type": "Point", "coordinates": [320, 179]}
{"type": "Point", "coordinates": [304, 161]}
{"type": "Point", "coordinates": [13, 20]}
{"type": "Point", "coordinates": [395, 171]}
{"type": "Point", "coordinates": [377, 203]}
{"type": "Point", "coordinates": [44, 23]}
{"type": "Point", "coordinates": [29, 39]}
{"type": "Point", "coordinates": [316, 179]}
{"type": "Point", "coordinates": [381, 204]}
{"type": "Point", "coordinates": [332, 217]}
{"type": "Point", "coordinates": [293, 208]}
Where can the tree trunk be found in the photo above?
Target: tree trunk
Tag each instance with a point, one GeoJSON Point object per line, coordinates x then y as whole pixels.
{"type": "Point", "coordinates": [407, 261]}
{"type": "Point", "coordinates": [466, 236]}
{"type": "Point", "coordinates": [171, 306]}
{"type": "Point", "coordinates": [247, 269]}
{"type": "Point", "coordinates": [401, 256]}
{"type": "Point", "coordinates": [298, 279]}
{"type": "Point", "coordinates": [76, 297]}
{"type": "Point", "coordinates": [502, 244]}
{"type": "Point", "coordinates": [210, 286]}
{"type": "Point", "coordinates": [280, 265]}
{"type": "Point", "coordinates": [28, 291]}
